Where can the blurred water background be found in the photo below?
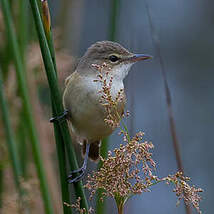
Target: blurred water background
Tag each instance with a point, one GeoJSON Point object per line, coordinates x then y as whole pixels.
{"type": "Point", "coordinates": [185, 31]}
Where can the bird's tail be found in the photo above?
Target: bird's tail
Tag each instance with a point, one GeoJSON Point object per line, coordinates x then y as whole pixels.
{"type": "Point", "coordinates": [94, 150]}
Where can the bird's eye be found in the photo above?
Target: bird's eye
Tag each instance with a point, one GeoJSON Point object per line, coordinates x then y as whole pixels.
{"type": "Point", "coordinates": [113, 58]}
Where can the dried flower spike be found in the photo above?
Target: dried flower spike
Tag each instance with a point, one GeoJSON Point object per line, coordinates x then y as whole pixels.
{"type": "Point", "coordinates": [190, 194]}
{"type": "Point", "coordinates": [128, 172]}
{"type": "Point", "coordinates": [77, 207]}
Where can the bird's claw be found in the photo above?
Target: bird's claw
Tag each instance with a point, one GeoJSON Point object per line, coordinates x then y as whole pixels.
{"type": "Point", "coordinates": [60, 117]}
{"type": "Point", "coordinates": [70, 178]}
{"type": "Point", "coordinates": [81, 170]}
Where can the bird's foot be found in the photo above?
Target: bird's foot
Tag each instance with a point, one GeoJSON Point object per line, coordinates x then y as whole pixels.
{"type": "Point", "coordinates": [60, 117]}
{"type": "Point", "coordinates": [71, 179]}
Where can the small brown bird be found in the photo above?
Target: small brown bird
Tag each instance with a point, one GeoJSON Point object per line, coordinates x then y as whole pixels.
{"type": "Point", "coordinates": [81, 97]}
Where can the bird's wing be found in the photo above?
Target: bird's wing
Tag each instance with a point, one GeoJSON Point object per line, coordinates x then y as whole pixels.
{"type": "Point", "coordinates": [73, 70]}
{"type": "Point", "coordinates": [67, 79]}
{"type": "Point", "coordinates": [74, 76]}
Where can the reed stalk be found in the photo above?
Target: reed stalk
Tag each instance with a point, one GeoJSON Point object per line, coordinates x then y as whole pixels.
{"type": "Point", "coordinates": [22, 27]}
{"type": "Point", "coordinates": [21, 138]}
{"type": "Point", "coordinates": [1, 184]}
{"type": "Point", "coordinates": [10, 142]}
{"type": "Point", "coordinates": [113, 19]}
{"type": "Point", "coordinates": [22, 35]}
{"type": "Point", "coordinates": [61, 153]}
{"type": "Point", "coordinates": [63, 135]}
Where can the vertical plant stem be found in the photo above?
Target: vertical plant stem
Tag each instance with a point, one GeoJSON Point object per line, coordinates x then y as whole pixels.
{"type": "Point", "coordinates": [11, 145]}
{"type": "Point", "coordinates": [113, 19]}
{"type": "Point", "coordinates": [100, 205]}
{"type": "Point", "coordinates": [1, 185]}
{"type": "Point", "coordinates": [168, 98]}
{"type": "Point", "coordinates": [22, 35]}
{"type": "Point", "coordinates": [46, 20]}
{"type": "Point", "coordinates": [22, 144]}
{"type": "Point", "coordinates": [61, 154]}
{"type": "Point", "coordinates": [62, 168]}
{"type": "Point", "coordinates": [22, 40]}
{"type": "Point", "coordinates": [120, 201]}
{"type": "Point", "coordinates": [61, 146]}
{"type": "Point", "coordinates": [56, 97]}
{"type": "Point", "coordinates": [120, 209]}
{"type": "Point", "coordinates": [22, 26]}
{"type": "Point", "coordinates": [27, 108]}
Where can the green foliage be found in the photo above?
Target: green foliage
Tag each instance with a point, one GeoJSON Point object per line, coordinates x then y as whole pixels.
{"type": "Point", "coordinates": [17, 57]}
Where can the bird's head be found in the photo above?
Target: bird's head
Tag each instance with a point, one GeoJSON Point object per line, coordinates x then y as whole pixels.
{"type": "Point", "coordinates": [115, 56]}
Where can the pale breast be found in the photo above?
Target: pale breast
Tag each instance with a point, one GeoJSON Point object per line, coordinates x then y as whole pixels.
{"type": "Point", "coordinates": [82, 99]}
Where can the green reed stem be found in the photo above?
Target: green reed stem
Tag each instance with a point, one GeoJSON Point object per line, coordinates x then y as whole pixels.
{"type": "Point", "coordinates": [27, 107]}
{"type": "Point", "coordinates": [61, 154]}
{"type": "Point", "coordinates": [22, 35]}
{"type": "Point", "coordinates": [77, 187]}
{"type": "Point", "coordinates": [62, 168]}
{"type": "Point", "coordinates": [11, 145]}
{"type": "Point", "coordinates": [21, 138]}
{"type": "Point", "coordinates": [113, 19]}
{"type": "Point", "coordinates": [22, 26]}
{"type": "Point", "coordinates": [1, 185]}
{"type": "Point", "coordinates": [56, 98]}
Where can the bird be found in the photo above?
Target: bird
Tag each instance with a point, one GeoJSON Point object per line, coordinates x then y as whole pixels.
{"type": "Point", "coordinates": [81, 98]}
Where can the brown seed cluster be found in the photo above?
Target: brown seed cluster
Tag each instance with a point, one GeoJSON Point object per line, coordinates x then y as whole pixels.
{"type": "Point", "coordinates": [129, 171]}
{"type": "Point", "coordinates": [184, 191]}
{"type": "Point", "coordinates": [77, 207]}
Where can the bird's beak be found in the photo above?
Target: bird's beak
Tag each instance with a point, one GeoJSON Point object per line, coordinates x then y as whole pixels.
{"type": "Point", "coordinates": [139, 57]}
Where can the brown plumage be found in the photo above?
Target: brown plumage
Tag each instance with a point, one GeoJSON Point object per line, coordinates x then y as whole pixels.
{"type": "Point", "coordinates": [82, 98]}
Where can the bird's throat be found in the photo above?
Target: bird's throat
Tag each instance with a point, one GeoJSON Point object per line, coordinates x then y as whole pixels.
{"type": "Point", "coordinates": [119, 72]}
